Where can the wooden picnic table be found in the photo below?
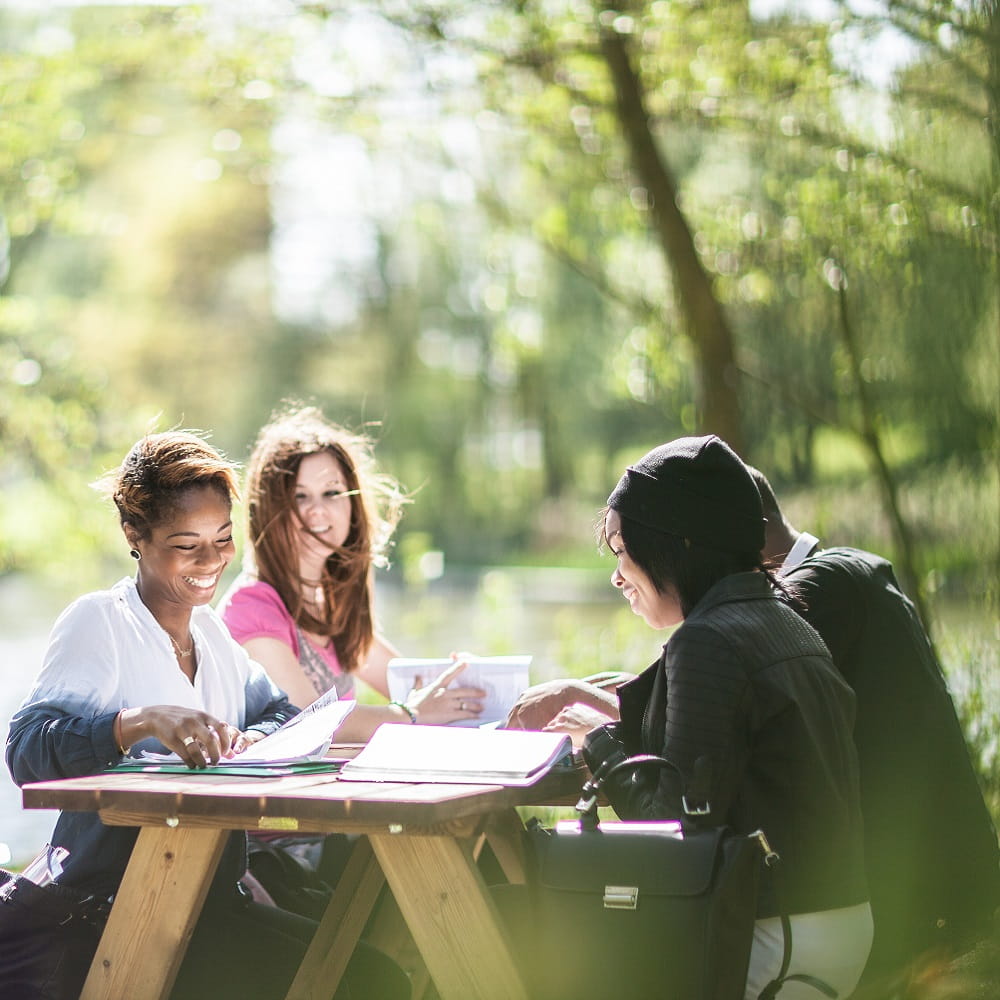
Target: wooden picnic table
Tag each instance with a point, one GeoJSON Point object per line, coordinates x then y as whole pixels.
{"type": "Point", "coordinates": [420, 838]}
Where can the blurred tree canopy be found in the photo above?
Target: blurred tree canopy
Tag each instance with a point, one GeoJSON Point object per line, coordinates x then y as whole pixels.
{"type": "Point", "coordinates": [523, 240]}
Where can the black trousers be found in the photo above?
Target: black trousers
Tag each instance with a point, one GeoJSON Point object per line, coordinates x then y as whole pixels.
{"type": "Point", "coordinates": [238, 948]}
{"type": "Point", "coordinates": [47, 939]}
{"type": "Point", "coordinates": [253, 951]}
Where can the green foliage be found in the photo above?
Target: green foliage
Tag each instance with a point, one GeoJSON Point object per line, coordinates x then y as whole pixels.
{"type": "Point", "coordinates": [478, 276]}
{"type": "Point", "coordinates": [127, 294]}
{"type": "Point", "coordinates": [969, 654]}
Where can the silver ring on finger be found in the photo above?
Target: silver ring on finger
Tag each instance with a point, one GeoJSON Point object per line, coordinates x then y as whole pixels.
{"type": "Point", "coordinates": [188, 740]}
{"type": "Point", "coordinates": [461, 706]}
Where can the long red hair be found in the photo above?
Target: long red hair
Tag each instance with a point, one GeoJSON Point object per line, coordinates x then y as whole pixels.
{"type": "Point", "coordinates": [273, 522]}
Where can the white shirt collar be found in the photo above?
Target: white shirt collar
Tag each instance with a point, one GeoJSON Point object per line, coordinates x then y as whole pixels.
{"type": "Point", "coordinates": [804, 544]}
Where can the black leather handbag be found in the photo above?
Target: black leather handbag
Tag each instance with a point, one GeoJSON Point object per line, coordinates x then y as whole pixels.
{"type": "Point", "coordinates": [639, 909]}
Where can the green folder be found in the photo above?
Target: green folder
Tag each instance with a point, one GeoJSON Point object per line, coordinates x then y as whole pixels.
{"type": "Point", "coordinates": [243, 770]}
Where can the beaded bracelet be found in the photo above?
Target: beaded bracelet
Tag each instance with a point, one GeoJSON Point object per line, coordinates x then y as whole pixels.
{"type": "Point", "coordinates": [406, 708]}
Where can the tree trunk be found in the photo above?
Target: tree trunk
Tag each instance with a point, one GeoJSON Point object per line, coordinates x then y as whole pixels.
{"type": "Point", "coordinates": [906, 550]}
{"type": "Point", "coordinates": [705, 322]}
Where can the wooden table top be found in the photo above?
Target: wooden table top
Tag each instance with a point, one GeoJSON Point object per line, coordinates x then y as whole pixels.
{"type": "Point", "coordinates": [313, 803]}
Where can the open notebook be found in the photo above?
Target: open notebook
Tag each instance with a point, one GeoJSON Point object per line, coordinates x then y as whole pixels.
{"type": "Point", "coordinates": [503, 678]}
{"type": "Point", "coordinates": [458, 756]}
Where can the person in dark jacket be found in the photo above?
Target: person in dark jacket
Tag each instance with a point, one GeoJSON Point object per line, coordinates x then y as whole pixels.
{"type": "Point", "coordinates": [745, 700]}
{"type": "Point", "coordinates": [148, 665]}
{"type": "Point", "coordinates": [930, 844]}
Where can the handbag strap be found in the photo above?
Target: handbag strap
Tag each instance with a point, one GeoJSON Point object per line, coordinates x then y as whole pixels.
{"type": "Point", "coordinates": [773, 988]}
{"type": "Point", "coordinates": [694, 797]}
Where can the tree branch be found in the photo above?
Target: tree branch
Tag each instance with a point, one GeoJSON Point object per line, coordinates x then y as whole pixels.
{"type": "Point", "coordinates": [871, 438]}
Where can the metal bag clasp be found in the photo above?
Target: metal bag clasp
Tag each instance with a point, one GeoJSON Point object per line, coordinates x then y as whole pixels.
{"type": "Point", "coordinates": [621, 897]}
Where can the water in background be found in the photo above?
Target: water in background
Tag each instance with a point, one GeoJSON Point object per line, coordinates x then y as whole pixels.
{"type": "Point", "coordinates": [24, 626]}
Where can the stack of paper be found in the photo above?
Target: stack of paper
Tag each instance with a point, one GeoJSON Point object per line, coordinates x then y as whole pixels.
{"type": "Point", "coordinates": [458, 756]}
{"type": "Point", "coordinates": [305, 738]}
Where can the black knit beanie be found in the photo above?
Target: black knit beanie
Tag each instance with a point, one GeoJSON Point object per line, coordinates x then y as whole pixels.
{"type": "Point", "coordinates": [695, 487]}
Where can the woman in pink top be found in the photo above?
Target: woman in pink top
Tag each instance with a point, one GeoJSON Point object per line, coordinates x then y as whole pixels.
{"type": "Point", "coordinates": [319, 519]}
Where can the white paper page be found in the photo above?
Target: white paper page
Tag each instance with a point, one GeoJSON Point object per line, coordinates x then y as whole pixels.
{"type": "Point", "coordinates": [323, 701]}
{"type": "Point", "coordinates": [306, 736]}
{"type": "Point", "coordinates": [503, 678]}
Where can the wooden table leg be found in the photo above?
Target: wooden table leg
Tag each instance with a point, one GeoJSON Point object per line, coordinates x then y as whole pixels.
{"type": "Point", "coordinates": [343, 921]}
{"type": "Point", "coordinates": [451, 916]}
{"type": "Point", "coordinates": [505, 835]}
{"type": "Point", "coordinates": [154, 913]}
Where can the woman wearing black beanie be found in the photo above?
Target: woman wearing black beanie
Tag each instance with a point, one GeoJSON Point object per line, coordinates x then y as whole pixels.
{"type": "Point", "coordinates": [744, 697]}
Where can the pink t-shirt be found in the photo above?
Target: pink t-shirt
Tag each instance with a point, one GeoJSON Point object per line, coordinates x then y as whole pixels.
{"type": "Point", "coordinates": [253, 609]}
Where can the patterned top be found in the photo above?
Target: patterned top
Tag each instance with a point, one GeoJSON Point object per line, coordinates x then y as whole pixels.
{"type": "Point", "coordinates": [253, 609]}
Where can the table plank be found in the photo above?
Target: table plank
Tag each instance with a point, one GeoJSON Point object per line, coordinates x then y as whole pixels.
{"type": "Point", "coordinates": [451, 916]}
{"type": "Point", "coordinates": [317, 803]}
{"type": "Point", "coordinates": [154, 914]}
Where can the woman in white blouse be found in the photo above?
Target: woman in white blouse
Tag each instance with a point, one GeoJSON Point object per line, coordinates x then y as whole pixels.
{"type": "Point", "coordinates": [149, 665]}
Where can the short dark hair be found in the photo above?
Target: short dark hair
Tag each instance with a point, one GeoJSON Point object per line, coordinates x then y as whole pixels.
{"type": "Point", "coordinates": [158, 470]}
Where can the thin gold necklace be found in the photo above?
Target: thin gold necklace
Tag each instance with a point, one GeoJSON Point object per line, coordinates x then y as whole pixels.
{"type": "Point", "coordinates": [180, 652]}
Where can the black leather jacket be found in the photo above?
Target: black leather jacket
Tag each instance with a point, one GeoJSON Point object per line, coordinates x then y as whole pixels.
{"type": "Point", "coordinates": [931, 847]}
{"type": "Point", "coordinates": [747, 688]}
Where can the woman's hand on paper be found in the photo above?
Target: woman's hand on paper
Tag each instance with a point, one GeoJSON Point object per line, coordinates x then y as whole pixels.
{"type": "Point", "coordinates": [197, 737]}
{"type": "Point", "coordinates": [564, 705]}
{"type": "Point", "coordinates": [437, 704]}
{"type": "Point", "coordinates": [578, 720]}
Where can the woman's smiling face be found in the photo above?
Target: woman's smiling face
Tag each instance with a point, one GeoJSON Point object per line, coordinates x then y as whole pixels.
{"type": "Point", "coordinates": [323, 505]}
{"type": "Point", "coordinates": [659, 609]}
{"type": "Point", "coordinates": [184, 556]}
